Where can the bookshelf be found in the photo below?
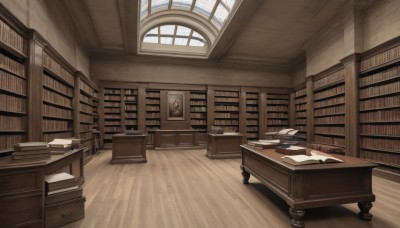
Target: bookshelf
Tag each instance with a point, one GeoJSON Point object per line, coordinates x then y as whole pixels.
{"type": "Point", "coordinates": [379, 110]}
{"type": "Point", "coordinates": [13, 88]}
{"type": "Point", "coordinates": [329, 109]}
{"type": "Point", "coordinates": [252, 115]}
{"type": "Point", "coordinates": [226, 110]}
{"type": "Point", "coordinates": [112, 113]}
{"type": "Point", "coordinates": [86, 113]}
{"type": "Point", "coordinates": [300, 115]}
{"type": "Point", "coordinates": [198, 113]}
{"type": "Point", "coordinates": [277, 112]}
{"type": "Point", "coordinates": [131, 109]}
{"type": "Point", "coordinates": [57, 100]}
{"type": "Point", "coordinates": [153, 116]}
{"type": "Point", "coordinates": [95, 101]}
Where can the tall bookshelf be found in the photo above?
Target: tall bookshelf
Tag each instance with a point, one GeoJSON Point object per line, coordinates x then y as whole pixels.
{"type": "Point", "coordinates": [226, 110]}
{"type": "Point", "coordinates": [95, 109]}
{"type": "Point", "coordinates": [13, 88]}
{"type": "Point", "coordinates": [300, 116]}
{"type": "Point", "coordinates": [131, 109]}
{"type": "Point", "coordinates": [329, 109]}
{"type": "Point", "coordinates": [86, 107]}
{"type": "Point", "coordinates": [57, 97]}
{"type": "Point", "coordinates": [112, 113]}
{"type": "Point", "coordinates": [277, 112]}
{"type": "Point", "coordinates": [379, 107]}
{"type": "Point", "coordinates": [198, 113]}
{"type": "Point", "coordinates": [252, 115]}
{"type": "Point", "coordinates": [153, 116]}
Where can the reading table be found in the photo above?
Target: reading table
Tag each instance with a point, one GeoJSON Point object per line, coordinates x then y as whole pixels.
{"type": "Point", "coordinates": [311, 186]}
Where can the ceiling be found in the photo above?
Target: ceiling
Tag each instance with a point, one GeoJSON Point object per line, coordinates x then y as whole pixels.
{"type": "Point", "coordinates": [275, 32]}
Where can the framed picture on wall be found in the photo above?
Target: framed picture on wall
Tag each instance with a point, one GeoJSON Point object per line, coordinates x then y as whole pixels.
{"type": "Point", "coordinates": [176, 105]}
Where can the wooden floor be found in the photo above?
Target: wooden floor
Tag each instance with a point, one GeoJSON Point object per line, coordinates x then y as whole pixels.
{"type": "Point", "coordinates": [186, 189]}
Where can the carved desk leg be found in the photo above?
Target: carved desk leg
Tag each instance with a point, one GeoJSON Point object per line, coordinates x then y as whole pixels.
{"type": "Point", "coordinates": [246, 175]}
{"type": "Point", "coordinates": [364, 214]}
{"type": "Point", "coordinates": [297, 217]}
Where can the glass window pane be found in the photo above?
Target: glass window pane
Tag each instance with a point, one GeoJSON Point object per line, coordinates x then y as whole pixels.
{"type": "Point", "coordinates": [165, 40]}
{"type": "Point", "coordinates": [183, 31]}
{"type": "Point", "coordinates": [229, 4]}
{"type": "Point", "coordinates": [204, 7]}
{"type": "Point", "coordinates": [143, 9]}
{"type": "Point", "coordinates": [187, 4]}
{"type": "Point", "coordinates": [150, 39]}
{"type": "Point", "coordinates": [220, 14]}
{"type": "Point", "coordinates": [196, 43]}
{"type": "Point", "coordinates": [181, 41]}
{"type": "Point", "coordinates": [159, 5]}
{"type": "Point", "coordinates": [153, 31]}
{"type": "Point", "coordinates": [195, 34]}
{"type": "Point", "coordinates": [167, 29]}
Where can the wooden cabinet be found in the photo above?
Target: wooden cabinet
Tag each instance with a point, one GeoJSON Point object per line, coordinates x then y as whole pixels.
{"type": "Point", "coordinates": [184, 139]}
{"type": "Point", "coordinates": [128, 149]}
{"type": "Point", "coordinates": [224, 145]}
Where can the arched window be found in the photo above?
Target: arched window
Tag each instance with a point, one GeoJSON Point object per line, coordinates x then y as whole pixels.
{"type": "Point", "coordinates": [177, 35]}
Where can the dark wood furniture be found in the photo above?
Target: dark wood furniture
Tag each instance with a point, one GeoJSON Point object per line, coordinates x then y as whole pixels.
{"type": "Point", "coordinates": [173, 139]}
{"type": "Point", "coordinates": [224, 145]}
{"type": "Point", "coordinates": [311, 186]}
{"type": "Point", "coordinates": [22, 191]}
{"type": "Point", "coordinates": [128, 149]}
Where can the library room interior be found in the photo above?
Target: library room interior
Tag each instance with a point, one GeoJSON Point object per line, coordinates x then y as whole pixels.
{"type": "Point", "coordinates": [200, 113]}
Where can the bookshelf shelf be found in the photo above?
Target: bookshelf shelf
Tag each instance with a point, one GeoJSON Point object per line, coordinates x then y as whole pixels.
{"type": "Point", "coordinates": [277, 112]}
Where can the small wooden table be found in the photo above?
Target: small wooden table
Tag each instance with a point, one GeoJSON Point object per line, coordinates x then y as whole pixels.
{"type": "Point", "coordinates": [311, 186]}
{"type": "Point", "coordinates": [224, 145]}
{"type": "Point", "coordinates": [176, 139]}
{"type": "Point", "coordinates": [128, 149]}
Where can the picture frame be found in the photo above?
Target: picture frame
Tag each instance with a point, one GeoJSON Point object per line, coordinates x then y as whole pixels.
{"type": "Point", "coordinates": [175, 105]}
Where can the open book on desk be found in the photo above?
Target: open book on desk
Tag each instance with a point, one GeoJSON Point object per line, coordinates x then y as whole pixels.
{"type": "Point", "coordinates": [315, 158]}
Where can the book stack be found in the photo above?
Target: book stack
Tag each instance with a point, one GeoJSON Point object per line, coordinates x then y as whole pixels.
{"type": "Point", "coordinates": [60, 146]}
{"type": "Point", "coordinates": [31, 150]}
{"type": "Point", "coordinates": [61, 187]}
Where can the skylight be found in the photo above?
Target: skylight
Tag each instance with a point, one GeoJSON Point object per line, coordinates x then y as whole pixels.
{"type": "Point", "coordinates": [174, 35]}
{"type": "Point", "coordinates": [215, 11]}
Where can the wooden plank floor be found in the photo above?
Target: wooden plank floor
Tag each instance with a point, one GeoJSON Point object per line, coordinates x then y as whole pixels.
{"type": "Point", "coordinates": [186, 189]}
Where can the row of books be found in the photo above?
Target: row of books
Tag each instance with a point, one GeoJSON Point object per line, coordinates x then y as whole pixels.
{"type": "Point", "coordinates": [329, 130]}
{"type": "Point", "coordinates": [226, 94]}
{"type": "Point", "coordinates": [130, 98]}
{"type": "Point", "coordinates": [300, 100]}
{"type": "Point", "coordinates": [11, 37]}
{"type": "Point", "coordinates": [389, 158]}
{"type": "Point", "coordinates": [133, 115]}
{"type": "Point", "coordinates": [381, 115]}
{"type": "Point", "coordinates": [283, 102]}
{"type": "Point", "coordinates": [381, 129]}
{"type": "Point", "coordinates": [57, 86]}
{"type": "Point", "coordinates": [393, 87]}
{"type": "Point", "coordinates": [85, 136]}
{"type": "Point", "coordinates": [86, 88]}
{"type": "Point", "coordinates": [112, 110]}
{"type": "Point", "coordinates": [55, 125]}
{"type": "Point", "coordinates": [226, 122]}
{"type": "Point", "coordinates": [57, 69]}
{"type": "Point", "coordinates": [252, 109]}
{"type": "Point", "coordinates": [112, 91]}
{"type": "Point", "coordinates": [380, 143]}
{"type": "Point", "coordinates": [226, 99]}
{"type": "Point", "coordinates": [330, 79]}
{"type": "Point", "coordinates": [152, 122]}
{"type": "Point", "coordinates": [252, 128]}
{"type": "Point", "coordinates": [113, 129]}
{"type": "Point", "coordinates": [329, 92]}
{"type": "Point", "coordinates": [55, 98]}
{"type": "Point", "coordinates": [328, 102]}
{"type": "Point", "coordinates": [8, 141]}
{"type": "Point", "coordinates": [85, 108]}
{"type": "Point", "coordinates": [277, 121]}
{"type": "Point", "coordinates": [300, 92]}
{"type": "Point", "coordinates": [329, 140]}
{"type": "Point", "coordinates": [152, 108]}
{"type": "Point", "coordinates": [329, 120]}
{"type": "Point", "coordinates": [197, 96]}
{"type": "Point", "coordinates": [130, 122]}
{"type": "Point", "coordinates": [330, 111]}
{"type": "Point", "coordinates": [381, 102]}
{"type": "Point", "coordinates": [277, 96]}
{"type": "Point", "coordinates": [131, 92]}
{"type": "Point", "coordinates": [226, 115]}
{"type": "Point", "coordinates": [230, 128]}
{"type": "Point", "coordinates": [84, 98]}
{"type": "Point", "coordinates": [12, 83]}
{"type": "Point", "coordinates": [13, 123]}
{"type": "Point", "coordinates": [153, 115]}
{"type": "Point", "coordinates": [251, 95]}
{"type": "Point", "coordinates": [152, 101]}
{"type": "Point", "coordinates": [198, 109]}
{"type": "Point", "coordinates": [388, 74]}
{"type": "Point", "coordinates": [251, 122]}
{"type": "Point", "coordinates": [12, 104]}
{"type": "Point", "coordinates": [251, 102]}
{"type": "Point", "coordinates": [199, 115]}
{"type": "Point", "coordinates": [300, 107]}
{"type": "Point", "coordinates": [277, 115]}
{"type": "Point", "coordinates": [277, 108]}
{"type": "Point", "coordinates": [252, 115]}
{"type": "Point", "coordinates": [226, 108]}
{"type": "Point", "coordinates": [301, 121]}
{"type": "Point", "coordinates": [301, 128]}
{"type": "Point", "coordinates": [111, 104]}
{"type": "Point", "coordinates": [198, 122]}
{"type": "Point", "coordinates": [84, 128]}
{"type": "Point", "coordinates": [130, 108]}
{"type": "Point", "coordinates": [152, 94]}
{"type": "Point", "coordinates": [198, 103]}
{"type": "Point", "coordinates": [112, 122]}
{"type": "Point", "coordinates": [252, 135]}
{"type": "Point", "coordinates": [300, 114]}
{"type": "Point", "coordinates": [85, 118]}
{"type": "Point", "coordinates": [380, 58]}
{"type": "Point", "coordinates": [275, 128]}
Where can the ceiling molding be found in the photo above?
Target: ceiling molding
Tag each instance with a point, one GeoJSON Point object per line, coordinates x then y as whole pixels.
{"type": "Point", "coordinates": [128, 13]}
{"type": "Point", "coordinates": [235, 24]}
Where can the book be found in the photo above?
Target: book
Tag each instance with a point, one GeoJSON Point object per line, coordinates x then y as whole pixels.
{"type": "Point", "coordinates": [63, 196]}
{"type": "Point", "coordinates": [291, 150]}
{"type": "Point", "coordinates": [59, 180]}
{"type": "Point", "coordinates": [264, 144]}
{"type": "Point", "coordinates": [313, 159]}
{"type": "Point", "coordinates": [30, 152]}
{"type": "Point", "coordinates": [60, 143]}
{"type": "Point", "coordinates": [62, 190]}
{"type": "Point", "coordinates": [30, 146]}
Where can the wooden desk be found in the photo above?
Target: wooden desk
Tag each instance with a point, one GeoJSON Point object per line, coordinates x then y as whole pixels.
{"type": "Point", "coordinates": [310, 186]}
{"type": "Point", "coordinates": [22, 186]}
{"type": "Point", "coordinates": [224, 145]}
{"type": "Point", "coordinates": [128, 149]}
{"type": "Point", "coordinates": [176, 139]}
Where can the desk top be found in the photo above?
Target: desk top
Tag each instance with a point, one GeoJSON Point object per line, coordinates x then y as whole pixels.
{"type": "Point", "coordinates": [123, 135]}
{"type": "Point", "coordinates": [226, 134]}
{"type": "Point", "coordinates": [272, 155]}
